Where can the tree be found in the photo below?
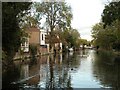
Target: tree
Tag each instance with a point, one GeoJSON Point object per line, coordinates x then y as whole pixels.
{"type": "Point", "coordinates": [106, 37]}
{"type": "Point", "coordinates": [70, 38]}
{"type": "Point", "coordinates": [11, 33]}
{"type": "Point", "coordinates": [56, 14]}
{"type": "Point", "coordinates": [116, 29]}
{"type": "Point", "coordinates": [95, 32]}
{"type": "Point", "coordinates": [106, 34]}
{"type": "Point", "coordinates": [111, 13]}
{"type": "Point", "coordinates": [75, 36]}
{"type": "Point", "coordinates": [83, 42]}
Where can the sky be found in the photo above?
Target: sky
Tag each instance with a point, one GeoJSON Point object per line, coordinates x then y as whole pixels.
{"type": "Point", "coordinates": [86, 13]}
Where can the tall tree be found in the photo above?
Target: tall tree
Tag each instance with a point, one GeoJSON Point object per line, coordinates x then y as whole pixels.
{"type": "Point", "coordinates": [111, 13]}
{"type": "Point", "coordinates": [56, 14]}
{"type": "Point", "coordinates": [11, 34]}
{"type": "Point", "coordinates": [105, 37]}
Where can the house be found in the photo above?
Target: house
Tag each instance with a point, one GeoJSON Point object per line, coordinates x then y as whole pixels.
{"type": "Point", "coordinates": [33, 38]}
{"type": "Point", "coordinates": [40, 38]}
{"type": "Point", "coordinates": [37, 37]}
{"type": "Point", "coordinates": [45, 41]}
{"type": "Point", "coordinates": [34, 35]}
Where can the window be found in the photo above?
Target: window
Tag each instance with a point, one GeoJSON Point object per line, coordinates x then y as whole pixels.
{"type": "Point", "coordinates": [42, 36]}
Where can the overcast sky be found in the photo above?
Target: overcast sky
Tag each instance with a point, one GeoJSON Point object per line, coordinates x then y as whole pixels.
{"type": "Point", "coordinates": [86, 13]}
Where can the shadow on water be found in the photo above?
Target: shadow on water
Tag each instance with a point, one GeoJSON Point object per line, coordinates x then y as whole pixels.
{"type": "Point", "coordinates": [48, 72]}
{"type": "Point", "coordinates": [51, 72]}
{"type": "Point", "coordinates": [10, 75]}
{"type": "Point", "coordinates": [57, 76]}
{"type": "Point", "coordinates": [106, 70]}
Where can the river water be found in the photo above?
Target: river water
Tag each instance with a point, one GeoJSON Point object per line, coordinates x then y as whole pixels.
{"type": "Point", "coordinates": [82, 69]}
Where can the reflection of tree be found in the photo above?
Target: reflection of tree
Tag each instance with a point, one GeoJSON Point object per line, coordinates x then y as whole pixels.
{"type": "Point", "coordinates": [11, 74]}
{"type": "Point", "coordinates": [51, 85]}
{"type": "Point", "coordinates": [33, 60]}
{"type": "Point", "coordinates": [106, 72]}
{"type": "Point", "coordinates": [84, 52]}
{"type": "Point", "coordinates": [74, 61]}
{"type": "Point", "coordinates": [58, 75]}
{"type": "Point", "coordinates": [24, 71]}
{"type": "Point", "coordinates": [54, 71]}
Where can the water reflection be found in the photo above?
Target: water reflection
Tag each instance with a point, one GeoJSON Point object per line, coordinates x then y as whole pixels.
{"type": "Point", "coordinates": [107, 71]}
{"type": "Point", "coordinates": [24, 71]}
{"type": "Point", "coordinates": [83, 69]}
{"type": "Point", "coordinates": [57, 74]}
{"type": "Point", "coordinates": [10, 75]}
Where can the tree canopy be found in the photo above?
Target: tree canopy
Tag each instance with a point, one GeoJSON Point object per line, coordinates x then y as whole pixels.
{"type": "Point", "coordinates": [107, 38]}
{"type": "Point", "coordinates": [111, 13]}
{"type": "Point", "coordinates": [11, 34]}
{"type": "Point", "coordinates": [55, 14]}
{"type": "Point", "coordinates": [106, 34]}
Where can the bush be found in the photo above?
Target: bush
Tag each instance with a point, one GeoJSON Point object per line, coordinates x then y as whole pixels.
{"type": "Point", "coordinates": [33, 50]}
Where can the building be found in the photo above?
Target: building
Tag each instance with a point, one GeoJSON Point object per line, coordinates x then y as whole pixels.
{"type": "Point", "coordinates": [33, 38]}
{"type": "Point", "coordinates": [34, 34]}
{"type": "Point", "coordinates": [44, 47]}
{"type": "Point", "coordinates": [40, 38]}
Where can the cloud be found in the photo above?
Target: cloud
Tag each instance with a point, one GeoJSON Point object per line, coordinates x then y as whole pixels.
{"type": "Point", "coordinates": [86, 13]}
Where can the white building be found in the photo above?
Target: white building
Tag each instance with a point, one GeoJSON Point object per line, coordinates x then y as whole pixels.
{"type": "Point", "coordinates": [43, 45]}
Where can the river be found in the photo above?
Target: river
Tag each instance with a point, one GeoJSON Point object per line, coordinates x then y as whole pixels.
{"type": "Point", "coordinates": [82, 69]}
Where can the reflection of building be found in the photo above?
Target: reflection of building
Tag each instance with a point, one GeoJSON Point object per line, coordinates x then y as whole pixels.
{"type": "Point", "coordinates": [33, 38]}
{"type": "Point", "coordinates": [44, 70]}
{"type": "Point", "coordinates": [34, 71]}
{"type": "Point", "coordinates": [48, 71]}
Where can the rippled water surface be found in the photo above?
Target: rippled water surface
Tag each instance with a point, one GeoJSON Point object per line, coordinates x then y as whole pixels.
{"type": "Point", "coordinates": [83, 69]}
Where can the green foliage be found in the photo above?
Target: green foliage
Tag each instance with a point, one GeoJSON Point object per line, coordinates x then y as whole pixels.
{"type": "Point", "coordinates": [71, 38]}
{"type": "Point", "coordinates": [116, 32]}
{"type": "Point", "coordinates": [83, 42]}
{"type": "Point", "coordinates": [55, 13]}
{"type": "Point", "coordinates": [3, 55]}
{"type": "Point", "coordinates": [111, 13]}
{"type": "Point", "coordinates": [101, 36]}
{"type": "Point", "coordinates": [107, 38]}
{"type": "Point", "coordinates": [110, 35]}
{"type": "Point", "coordinates": [33, 50]}
{"type": "Point", "coordinates": [11, 34]}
